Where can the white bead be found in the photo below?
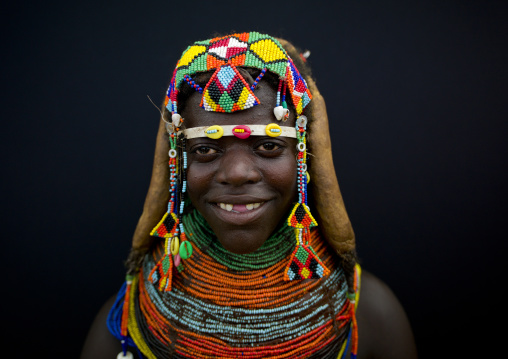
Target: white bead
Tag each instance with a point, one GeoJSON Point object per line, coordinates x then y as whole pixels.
{"type": "Point", "coordinates": [176, 118]}
{"type": "Point", "coordinates": [172, 153]}
{"type": "Point", "coordinates": [127, 356]}
{"type": "Point", "coordinates": [301, 146]}
{"type": "Point", "coordinates": [281, 113]}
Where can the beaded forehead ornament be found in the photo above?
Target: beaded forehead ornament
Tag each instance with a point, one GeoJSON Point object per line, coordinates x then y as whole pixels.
{"type": "Point", "coordinates": [227, 91]}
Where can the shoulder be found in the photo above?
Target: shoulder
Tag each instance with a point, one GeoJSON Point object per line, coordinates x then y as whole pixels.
{"type": "Point", "coordinates": [383, 327]}
{"type": "Point", "coordinates": [100, 343]}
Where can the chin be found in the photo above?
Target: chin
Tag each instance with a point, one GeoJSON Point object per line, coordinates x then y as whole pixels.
{"type": "Point", "coordinates": [242, 242]}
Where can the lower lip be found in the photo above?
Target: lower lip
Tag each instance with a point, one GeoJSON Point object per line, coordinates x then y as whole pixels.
{"type": "Point", "coordinates": [238, 218]}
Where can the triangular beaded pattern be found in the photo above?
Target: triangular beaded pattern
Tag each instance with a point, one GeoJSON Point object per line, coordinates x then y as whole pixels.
{"type": "Point", "coordinates": [167, 226]}
{"type": "Point", "coordinates": [301, 217]}
{"type": "Point", "coordinates": [304, 264]}
{"type": "Point", "coordinates": [227, 91]}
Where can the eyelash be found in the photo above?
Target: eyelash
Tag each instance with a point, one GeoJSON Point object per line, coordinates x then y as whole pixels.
{"type": "Point", "coordinates": [275, 145]}
{"type": "Point", "coordinates": [206, 151]}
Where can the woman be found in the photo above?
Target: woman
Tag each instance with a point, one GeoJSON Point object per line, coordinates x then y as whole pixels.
{"type": "Point", "coordinates": [241, 267]}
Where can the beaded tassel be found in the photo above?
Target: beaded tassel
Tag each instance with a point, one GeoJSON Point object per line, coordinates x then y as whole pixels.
{"type": "Point", "coordinates": [162, 273]}
{"type": "Point", "coordinates": [304, 262]}
{"type": "Point", "coordinates": [185, 248]}
{"type": "Point", "coordinates": [260, 76]}
{"type": "Point", "coordinates": [125, 319]}
{"type": "Point", "coordinates": [353, 297]}
{"type": "Point", "coordinates": [170, 227]}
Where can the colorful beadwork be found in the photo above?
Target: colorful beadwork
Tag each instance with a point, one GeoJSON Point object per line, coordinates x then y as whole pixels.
{"type": "Point", "coordinates": [301, 217]}
{"type": "Point", "coordinates": [214, 311]}
{"type": "Point", "coordinates": [162, 272]}
{"type": "Point", "coordinates": [304, 263]}
{"type": "Point", "coordinates": [170, 226]}
{"type": "Point", "coordinates": [224, 304]}
{"type": "Point", "coordinates": [224, 54]}
{"type": "Point", "coordinates": [227, 91]}
{"type": "Point", "coordinates": [167, 226]}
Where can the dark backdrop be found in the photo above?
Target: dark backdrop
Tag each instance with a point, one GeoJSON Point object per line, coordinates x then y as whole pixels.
{"type": "Point", "coordinates": [416, 94]}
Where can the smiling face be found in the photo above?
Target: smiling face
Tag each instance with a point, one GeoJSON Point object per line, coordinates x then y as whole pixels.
{"type": "Point", "coordinates": [242, 187]}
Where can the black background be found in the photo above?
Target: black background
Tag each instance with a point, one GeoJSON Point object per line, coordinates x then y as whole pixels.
{"type": "Point", "coordinates": [416, 94]}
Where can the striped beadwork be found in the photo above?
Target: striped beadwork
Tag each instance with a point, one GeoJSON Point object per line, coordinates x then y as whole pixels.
{"type": "Point", "coordinates": [214, 311]}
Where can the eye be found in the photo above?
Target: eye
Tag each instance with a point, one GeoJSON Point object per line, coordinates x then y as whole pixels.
{"type": "Point", "coordinates": [204, 150]}
{"type": "Point", "coordinates": [268, 146]}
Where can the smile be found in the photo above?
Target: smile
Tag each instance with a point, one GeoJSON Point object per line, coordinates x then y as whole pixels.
{"type": "Point", "coordinates": [239, 208]}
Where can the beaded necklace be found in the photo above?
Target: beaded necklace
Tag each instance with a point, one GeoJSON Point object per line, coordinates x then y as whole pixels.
{"type": "Point", "coordinates": [216, 311]}
{"type": "Point", "coordinates": [272, 251]}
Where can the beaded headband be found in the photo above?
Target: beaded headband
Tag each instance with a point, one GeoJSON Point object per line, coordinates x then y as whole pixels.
{"type": "Point", "coordinates": [227, 91]}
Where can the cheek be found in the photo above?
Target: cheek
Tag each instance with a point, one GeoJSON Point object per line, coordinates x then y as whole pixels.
{"type": "Point", "coordinates": [282, 176]}
{"type": "Point", "coordinates": [198, 182]}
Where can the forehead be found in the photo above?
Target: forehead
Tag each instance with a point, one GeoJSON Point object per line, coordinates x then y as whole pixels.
{"type": "Point", "coordinates": [261, 114]}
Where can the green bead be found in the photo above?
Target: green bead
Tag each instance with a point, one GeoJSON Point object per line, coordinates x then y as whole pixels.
{"type": "Point", "coordinates": [185, 249]}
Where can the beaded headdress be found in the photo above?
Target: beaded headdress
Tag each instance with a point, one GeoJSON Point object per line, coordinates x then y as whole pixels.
{"type": "Point", "coordinates": [227, 91]}
{"type": "Point", "coordinates": [222, 56]}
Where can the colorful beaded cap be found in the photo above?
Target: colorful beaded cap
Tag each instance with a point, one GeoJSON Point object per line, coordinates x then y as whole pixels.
{"type": "Point", "coordinates": [227, 91]}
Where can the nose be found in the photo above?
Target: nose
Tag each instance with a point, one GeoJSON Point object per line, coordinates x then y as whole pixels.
{"type": "Point", "coordinates": [238, 167]}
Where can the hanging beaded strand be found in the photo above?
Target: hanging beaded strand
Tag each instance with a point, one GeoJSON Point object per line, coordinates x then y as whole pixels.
{"type": "Point", "coordinates": [185, 249]}
{"type": "Point", "coordinates": [260, 76]}
{"type": "Point", "coordinates": [176, 246]}
{"type": "Point", "coordinates": [281, 111]}
{"type": "Point", "coordinates": [193, 84]}
{"type": "Point", "coordinates": [304, 262]}
{"type": "Point", "coordinates": [168, 228]}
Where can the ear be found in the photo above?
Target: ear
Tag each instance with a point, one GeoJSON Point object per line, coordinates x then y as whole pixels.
{"type": "Point", "coordinates": [332, 217]}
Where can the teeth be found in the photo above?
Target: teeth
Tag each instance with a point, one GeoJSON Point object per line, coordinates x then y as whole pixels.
{"type": "Point", "coordinates": [229, 207]}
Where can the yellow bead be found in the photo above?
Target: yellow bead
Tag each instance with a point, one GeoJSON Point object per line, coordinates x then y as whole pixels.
{"type": "Point", "coordinates": [215, 132]}
{"type": "Point", "coordinates": [273, 130]}
{"type": "Point", "coordinates": [175, 245]}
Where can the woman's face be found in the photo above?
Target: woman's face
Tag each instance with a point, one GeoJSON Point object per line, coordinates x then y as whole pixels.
{"type": "Point", "coordinates": [242, 187]}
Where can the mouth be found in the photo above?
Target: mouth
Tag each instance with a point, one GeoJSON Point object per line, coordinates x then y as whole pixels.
{"type": "Point", "coordinates": [239, 208]}
{"type": "Point", "coordinates": [240, 214]}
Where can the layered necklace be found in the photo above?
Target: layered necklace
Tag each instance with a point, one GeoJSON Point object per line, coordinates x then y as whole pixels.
{"type": "Point", "coordinates": [225, 305]}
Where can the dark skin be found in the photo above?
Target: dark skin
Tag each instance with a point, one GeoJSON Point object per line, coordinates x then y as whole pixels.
{"type": "Point", "coordinates": [262, 169]}
{"type": "Point", "coordinates": [257, 170]}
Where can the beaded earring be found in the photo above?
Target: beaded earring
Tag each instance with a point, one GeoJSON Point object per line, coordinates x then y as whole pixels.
{"type": "Point", "coordinates": [304, 262]}
{"type": "Point", "coordinates": [170, 227]}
